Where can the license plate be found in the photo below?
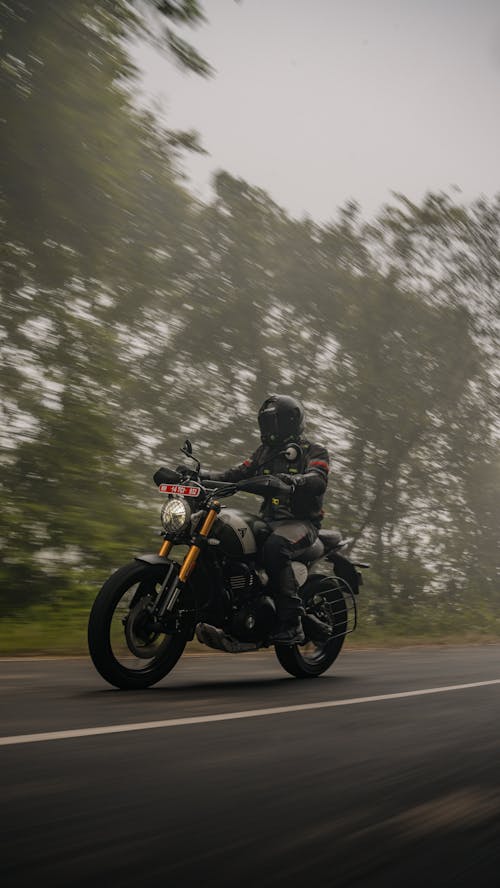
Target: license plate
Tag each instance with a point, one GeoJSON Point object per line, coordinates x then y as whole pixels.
{"type": "Point", "coordinates": [180, 489]}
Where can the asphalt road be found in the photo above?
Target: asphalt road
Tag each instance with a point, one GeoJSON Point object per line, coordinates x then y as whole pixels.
{"type": "Point", "coordinates": [374, 792]}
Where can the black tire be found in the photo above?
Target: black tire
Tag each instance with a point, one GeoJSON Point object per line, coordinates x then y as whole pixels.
{"type": "Point", "coordinates": [138, 579]}
{"type": "Point", "coordinates": [296, 659]}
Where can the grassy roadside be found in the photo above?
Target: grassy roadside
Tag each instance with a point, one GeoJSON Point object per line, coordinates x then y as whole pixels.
{"type": "Point", "coordinates": [63, 631]}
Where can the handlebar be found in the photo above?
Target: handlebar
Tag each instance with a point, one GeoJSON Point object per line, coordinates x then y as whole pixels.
{"type": "Point", "coordinates": [262, 484]}
{"type": "Point", "coordinates": [217, 485]}
{"type": "Point", "coordinates": [259, 484]}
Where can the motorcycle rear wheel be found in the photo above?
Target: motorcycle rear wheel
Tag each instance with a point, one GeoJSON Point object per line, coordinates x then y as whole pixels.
{"type": "Point", "coordinates": [312, 659]}
{"type": "Point", "coordinates": [123, 651]}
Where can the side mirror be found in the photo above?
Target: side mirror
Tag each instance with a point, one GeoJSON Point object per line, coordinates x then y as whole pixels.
{"type": "Point", "coordinates": [188, 451]}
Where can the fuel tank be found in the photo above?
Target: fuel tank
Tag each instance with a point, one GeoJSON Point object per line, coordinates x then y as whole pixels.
{"type": "Point", "coordinates": [239, 532]}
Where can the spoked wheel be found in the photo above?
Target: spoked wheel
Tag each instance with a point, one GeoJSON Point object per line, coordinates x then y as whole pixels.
{"type": "Point", "coordinates": [323, 598]}
{"type": "Point", "coordinates": [124, 648]}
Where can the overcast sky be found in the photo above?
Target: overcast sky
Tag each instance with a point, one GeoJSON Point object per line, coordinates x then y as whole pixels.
{"type": "Point", "coordinates": [325, 100]}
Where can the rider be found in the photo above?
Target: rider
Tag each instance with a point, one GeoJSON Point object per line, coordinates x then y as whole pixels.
{"type": "Point", "coordinates": [294, 518]}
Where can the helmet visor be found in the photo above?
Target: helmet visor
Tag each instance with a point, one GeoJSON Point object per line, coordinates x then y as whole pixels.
{"type": "Point", "coordinates": [268, 424]}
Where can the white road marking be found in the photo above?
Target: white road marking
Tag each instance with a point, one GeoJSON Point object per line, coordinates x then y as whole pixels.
{"type": "Point", "coordinates": [232, 716]}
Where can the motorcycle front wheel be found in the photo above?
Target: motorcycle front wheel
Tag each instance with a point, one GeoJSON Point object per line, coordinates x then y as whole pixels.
{"type": "Point", "coordinates": [124, 650]}
{"type": "Point", "coordinates": [312, 658]}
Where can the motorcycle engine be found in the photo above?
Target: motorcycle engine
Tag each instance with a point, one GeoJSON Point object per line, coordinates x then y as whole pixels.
{"type": "Point", "coordinates": [253, 613]}
{"type": "Point", "coordinates": [254, 619]}
{"type": "Point", "coordinates": [241, 580]}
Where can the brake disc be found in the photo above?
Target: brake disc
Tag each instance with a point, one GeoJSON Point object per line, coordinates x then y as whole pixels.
{"type": "Point", "coordinates": [141, 641]}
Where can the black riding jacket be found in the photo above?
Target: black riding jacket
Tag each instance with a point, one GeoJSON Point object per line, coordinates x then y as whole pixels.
{"type": "Point", "coordinates": [311, 464]}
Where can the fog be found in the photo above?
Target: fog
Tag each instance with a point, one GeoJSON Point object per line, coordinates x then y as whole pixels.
{"type": "Point", "coordinates": [335, 99]}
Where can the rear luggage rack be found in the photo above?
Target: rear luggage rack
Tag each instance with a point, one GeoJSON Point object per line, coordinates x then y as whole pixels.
{"type": "Point", "coordinates": [342, 612]}
{"type": "Point", "coordinates": [351, 606]}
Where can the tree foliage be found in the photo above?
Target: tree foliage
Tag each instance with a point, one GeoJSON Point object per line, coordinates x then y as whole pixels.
{"type": "Point", "coordinates": [132, 314]}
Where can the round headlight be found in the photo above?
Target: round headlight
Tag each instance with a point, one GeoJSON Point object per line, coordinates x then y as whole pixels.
{"type": "Point", "coordinates": [175, 515]}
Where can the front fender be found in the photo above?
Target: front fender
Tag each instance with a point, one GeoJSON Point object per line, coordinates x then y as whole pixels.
{"type": "Point", "coordinates": [152, 558]}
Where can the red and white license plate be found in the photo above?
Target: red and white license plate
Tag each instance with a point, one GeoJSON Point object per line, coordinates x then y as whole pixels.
{"type": "Point", "coordinates": [180, 489]}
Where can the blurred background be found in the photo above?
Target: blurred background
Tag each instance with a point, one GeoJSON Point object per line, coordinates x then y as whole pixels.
{"type": "Point", "coordinates": [147, 293]}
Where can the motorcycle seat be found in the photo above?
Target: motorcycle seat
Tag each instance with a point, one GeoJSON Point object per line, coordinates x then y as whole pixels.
{"type": "Point", "coordinates": [310, 553]}
{"type": "Point", "coordinates": [330, 538]}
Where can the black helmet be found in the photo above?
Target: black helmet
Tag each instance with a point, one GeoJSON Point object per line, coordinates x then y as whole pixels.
{"type": "Point", "coordinates": [281, 419]}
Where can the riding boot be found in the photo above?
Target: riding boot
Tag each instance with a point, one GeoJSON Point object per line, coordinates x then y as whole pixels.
{"type": "Point", "coordinates": [289, 610]}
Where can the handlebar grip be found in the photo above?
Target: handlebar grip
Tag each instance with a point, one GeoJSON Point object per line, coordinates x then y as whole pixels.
{"type": "Point", "coordinates": [263, 485]}
{"type": "Point", "coordinates": [216, 485]}
{"type": "Point", "coordinates": [165, 476]}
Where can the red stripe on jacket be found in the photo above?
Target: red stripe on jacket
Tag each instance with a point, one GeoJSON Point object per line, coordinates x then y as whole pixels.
{"type": "Point", "coordinates": [321, 463]}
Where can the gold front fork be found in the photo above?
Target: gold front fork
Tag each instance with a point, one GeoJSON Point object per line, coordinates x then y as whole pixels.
{"type": "Point", "coordinates": [165, 548]}
{"type": "Point", "coordinates": [192, 556]}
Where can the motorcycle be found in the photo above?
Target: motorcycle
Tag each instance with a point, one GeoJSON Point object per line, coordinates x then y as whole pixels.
{"type": "Point", "coordinates": [148, 610]}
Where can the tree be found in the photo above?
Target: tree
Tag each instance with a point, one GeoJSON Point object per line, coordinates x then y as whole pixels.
{"type": "Point", "coordinates": [133, 314]}
{"type": "Point", "coordinates": [90, 206]}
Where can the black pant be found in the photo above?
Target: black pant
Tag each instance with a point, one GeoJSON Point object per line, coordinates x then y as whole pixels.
{"type": "Point", "coordinates": [287, 539]}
